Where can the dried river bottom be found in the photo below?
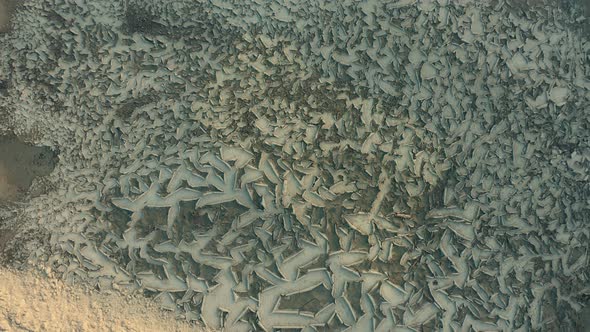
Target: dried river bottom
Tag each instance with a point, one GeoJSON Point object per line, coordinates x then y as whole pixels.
{"type": "Point", "coordinates": [312, 166]}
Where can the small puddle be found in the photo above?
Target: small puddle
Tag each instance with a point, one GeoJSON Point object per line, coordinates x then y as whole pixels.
{"type": "Point", "coordinates": [20, 163]}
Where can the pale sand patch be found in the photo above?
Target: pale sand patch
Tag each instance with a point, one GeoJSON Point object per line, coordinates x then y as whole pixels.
{"type": "Point", "coordinates": [31, 302]}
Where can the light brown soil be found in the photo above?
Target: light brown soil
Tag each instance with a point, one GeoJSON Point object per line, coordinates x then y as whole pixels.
{"type": "Point", "coordinates": [32, 302]}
